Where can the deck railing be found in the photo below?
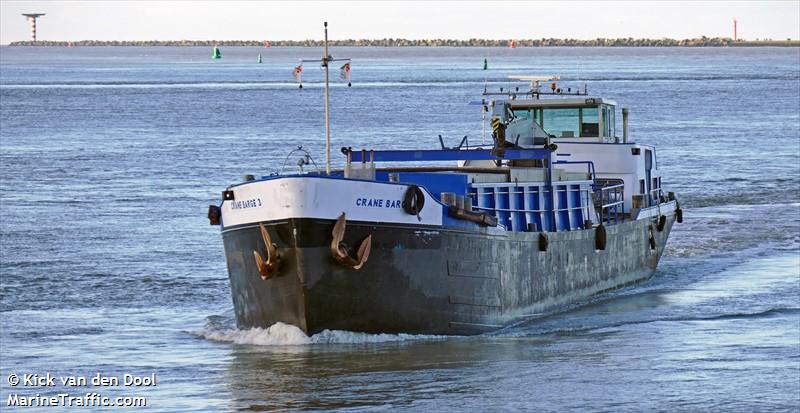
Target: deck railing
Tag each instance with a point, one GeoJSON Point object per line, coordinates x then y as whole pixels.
{"type": "Point", "coordinates": [612, 202]}
{"type": "Point", "coordinates": [655, 195]}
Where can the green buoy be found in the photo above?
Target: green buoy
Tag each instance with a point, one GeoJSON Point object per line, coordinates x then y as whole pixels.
{"type": "Point", "coordinates": [259, 58]}
{"type": "Point", "coordinates": [485, 64]}
{"type": "Point", "coordinates": [216, 54]}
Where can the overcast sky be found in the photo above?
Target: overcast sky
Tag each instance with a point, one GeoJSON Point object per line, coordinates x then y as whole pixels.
{"type": "Point", "coordinates": [253, 20]}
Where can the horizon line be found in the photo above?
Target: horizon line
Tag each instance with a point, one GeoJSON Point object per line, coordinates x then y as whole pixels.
{"type": "Point", "coordinates": [430, 42]}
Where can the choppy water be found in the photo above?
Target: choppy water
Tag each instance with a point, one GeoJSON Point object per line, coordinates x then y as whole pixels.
{"type": "Point", "coordinates": [110, 156]}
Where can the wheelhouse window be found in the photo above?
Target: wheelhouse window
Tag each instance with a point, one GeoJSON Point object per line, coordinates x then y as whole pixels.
{"type": "Point", "coordinates": [564, 122]}
{"type": "Point", "coordinates": [609, 121]}
{"type": "Point", "coordinates": [590, 127]}
{"type": "Point", "coordinates": [572, 122]}
{"type": "Point", "coordinates": [561, 122]}
{"type": "Point", "coordinates": [524, 113]}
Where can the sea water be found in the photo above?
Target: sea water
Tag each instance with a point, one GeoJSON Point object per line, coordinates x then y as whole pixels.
{"type": "Point", "coordinates": [110, 156]}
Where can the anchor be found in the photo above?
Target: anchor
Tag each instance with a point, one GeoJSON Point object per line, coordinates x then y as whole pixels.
{"type": "Point", "coordinates": [339, 248]}
{"type": "Point", "coordinates": [268, 268]}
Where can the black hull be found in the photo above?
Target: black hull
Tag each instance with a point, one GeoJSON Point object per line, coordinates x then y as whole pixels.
{"type": "Point", "coordinates": [432, 281]}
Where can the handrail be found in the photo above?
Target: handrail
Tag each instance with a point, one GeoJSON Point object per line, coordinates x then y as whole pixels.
{"type": "Point", "coordinates": [445, 155]}
{"type": "Point", "coordinates": [616, 193]}
{"type": "Point", "coordinates": [528, 210]}
{"type": "Point", "coordinates": [658, 193]}
{"type": "Point", "coordinates": [590, 170]}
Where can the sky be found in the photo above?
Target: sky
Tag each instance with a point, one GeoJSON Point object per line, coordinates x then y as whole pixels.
{"type": "Point", "coordinates": [298, 20]}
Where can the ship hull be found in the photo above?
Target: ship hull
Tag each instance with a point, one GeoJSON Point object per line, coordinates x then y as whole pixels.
{"type": "Point", "coordinates": [427, 279]}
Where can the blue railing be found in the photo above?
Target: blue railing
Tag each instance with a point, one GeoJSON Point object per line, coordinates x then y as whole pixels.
{"type": "Point", "coordinates": [443, 155]}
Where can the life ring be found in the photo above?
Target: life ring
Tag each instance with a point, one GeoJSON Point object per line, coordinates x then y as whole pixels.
{"type": "Point", "coordinates": [679, 215]}
{"type": "Point", "coordinates": [662, 221]}
{"type": "Point", "coordinates": [414, 200]}
{"type": "Point", "coordinates": [600, 238]}
{"type": "Point", "coordinates": [543, 242]}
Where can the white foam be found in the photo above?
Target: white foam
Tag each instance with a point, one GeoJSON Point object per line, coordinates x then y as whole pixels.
{"type": "Point", "coordinates": [275, 335]}
{"type": "Point", "coordinates": [338, 336]}
{"type": "Point", "coordinates": [281, 334]}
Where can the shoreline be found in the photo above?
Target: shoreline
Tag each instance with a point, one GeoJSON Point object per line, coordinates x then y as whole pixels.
{"type": "Point", "coordinates": [627, 42]}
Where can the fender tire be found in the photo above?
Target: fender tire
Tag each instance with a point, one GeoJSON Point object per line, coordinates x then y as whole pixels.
{"type": "Point", "coordinates": [214, 214]}
{"type": "Point", "coordinates": [652, 237]}
{"type": "Point", "coordinates": [414, 200]}
{"type": "Point", "coordinates": [543, 242]}
{"type": "Point", "coordinates": [600, 238]}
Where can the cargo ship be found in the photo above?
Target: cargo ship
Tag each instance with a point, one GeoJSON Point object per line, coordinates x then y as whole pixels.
{"type": "Point", "coordinates": [556, 208]}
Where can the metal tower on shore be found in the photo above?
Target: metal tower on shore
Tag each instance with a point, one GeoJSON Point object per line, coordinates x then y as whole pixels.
{"type": "Point", "coordinates": [32, 19]}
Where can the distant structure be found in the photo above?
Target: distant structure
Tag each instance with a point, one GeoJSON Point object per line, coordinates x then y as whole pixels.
{"type": "Point", "coordinates": [32, 19]}
{"type": "Point", "coordinates": [734, 29]}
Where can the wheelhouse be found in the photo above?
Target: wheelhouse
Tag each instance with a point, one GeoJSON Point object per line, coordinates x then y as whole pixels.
{"type": "Point", "coordinates": [569, 118]}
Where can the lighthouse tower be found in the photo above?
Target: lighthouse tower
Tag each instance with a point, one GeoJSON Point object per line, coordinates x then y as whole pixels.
{"type": "Point", "coordinates": [32, 19]}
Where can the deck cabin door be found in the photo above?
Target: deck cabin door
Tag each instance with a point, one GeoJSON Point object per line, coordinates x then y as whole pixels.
{"type": "Point", "coordinates": [648, 172]}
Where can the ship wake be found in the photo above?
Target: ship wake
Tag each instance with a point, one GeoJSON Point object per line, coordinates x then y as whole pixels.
{"type": "Point", "coordinates": [282, 334]}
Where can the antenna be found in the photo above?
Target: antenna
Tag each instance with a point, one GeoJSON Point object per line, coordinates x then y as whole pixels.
{"type": "Point", "coordinates": [535, 88]}
{"type": "Point", "coordinates": [325, 61]}
{"type": "Point", "coordinates": [535, 80]}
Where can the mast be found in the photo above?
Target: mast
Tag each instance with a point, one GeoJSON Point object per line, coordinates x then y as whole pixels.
{"type": "Point", "coordinates": [325, 60]}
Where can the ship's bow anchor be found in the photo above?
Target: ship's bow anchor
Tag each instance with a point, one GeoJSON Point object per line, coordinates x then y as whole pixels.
{"type": "Point", "coordinates": [339, 248]}
{"type": "Point", "coordinates": [268, 268]}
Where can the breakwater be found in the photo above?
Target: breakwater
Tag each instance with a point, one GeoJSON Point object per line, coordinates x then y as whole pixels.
{"type": "Point", "coordinates": [391, 42]}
